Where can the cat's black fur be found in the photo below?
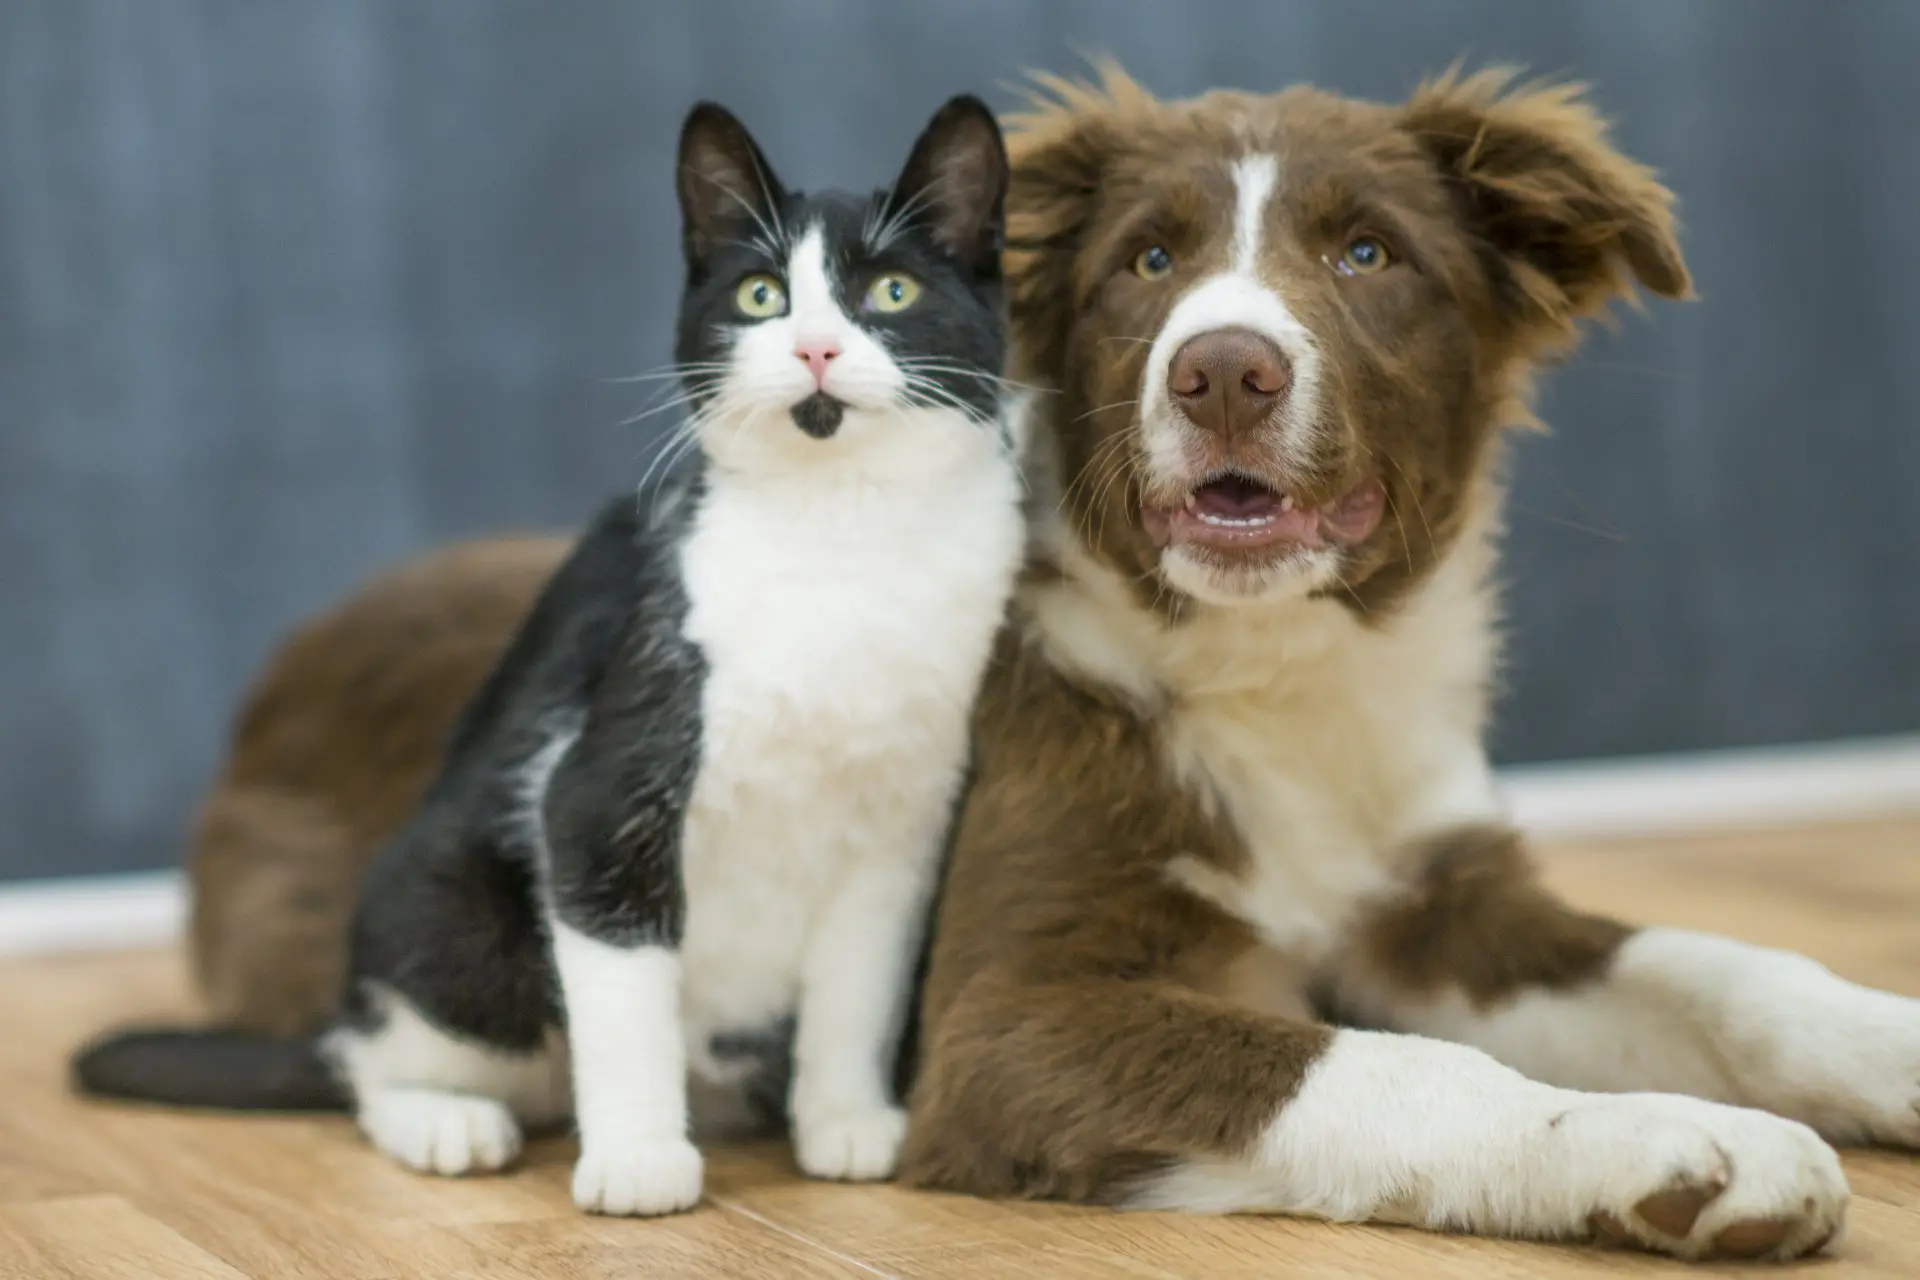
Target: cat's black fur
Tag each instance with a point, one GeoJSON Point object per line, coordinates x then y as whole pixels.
{"type": "Point", "coordinates": [451, 913]}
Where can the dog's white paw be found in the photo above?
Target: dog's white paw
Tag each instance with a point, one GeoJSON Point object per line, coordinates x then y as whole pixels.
{"type": "Point", "coordinates": [1781, 1032]}
{"type": "Point", "coordinates": [1695, 1179]}
{"type": "Point", "coordinates": [439, 1132]}
{"type": "Point", "coordinates": [850, 1146]}
{"type": "Point", "coordinates": [1848, 1063]}
{"type": "Point", "coordinates": [643, 1179]}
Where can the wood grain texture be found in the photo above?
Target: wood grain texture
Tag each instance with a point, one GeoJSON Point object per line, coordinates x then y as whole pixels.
{"type": "Point", "coordinates": [97, 1192]}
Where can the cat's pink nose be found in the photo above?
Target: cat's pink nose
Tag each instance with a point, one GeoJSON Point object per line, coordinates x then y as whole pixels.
{"type": "Point", "coordinates": [817, 356]}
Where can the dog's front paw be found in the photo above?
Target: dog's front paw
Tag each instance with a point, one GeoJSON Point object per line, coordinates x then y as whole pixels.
{"type": "Point", "coordinates": [643, 1179]}
{"type": "Point", "coordinates": [1700, 1180]}
{"type": "Point", "coordinates": [850, 1146]}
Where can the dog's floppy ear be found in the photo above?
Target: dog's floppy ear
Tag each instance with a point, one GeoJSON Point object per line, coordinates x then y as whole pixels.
{"type": "Point", "coordinates": [1567, 216]}
{"type": "Point", "coordinates": [724, 183]}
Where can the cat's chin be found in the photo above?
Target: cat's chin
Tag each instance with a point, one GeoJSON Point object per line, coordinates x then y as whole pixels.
{"type": "Point", "coordinates": [819, 415]}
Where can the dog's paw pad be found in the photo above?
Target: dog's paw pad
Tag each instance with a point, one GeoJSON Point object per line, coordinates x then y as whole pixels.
{"type": "Point", "coordinates": [1699, 1180]}
{"type": "Point", "coordinates": [1752, 1238]}
{"type": "Point", "coordinates": [1673, 1212]}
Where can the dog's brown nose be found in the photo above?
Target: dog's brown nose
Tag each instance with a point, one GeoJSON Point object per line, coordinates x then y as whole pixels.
{"type": "Point", "coordinates": [1229, 381]}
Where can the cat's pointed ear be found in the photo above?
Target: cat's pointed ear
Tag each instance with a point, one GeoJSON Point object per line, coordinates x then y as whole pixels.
{"type": "Point", "coordinates": [955, 184]}
{"type": "Point", "coordinates": [726, 186]}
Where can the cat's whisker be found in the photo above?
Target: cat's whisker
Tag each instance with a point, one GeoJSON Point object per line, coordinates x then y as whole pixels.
{"type": "Point", "coordinates": [935, 394]}
{"type": "Point", "coordinates": [672, 371]}
{"type": "Point", "coordinates": [676, 446]}
{"type": "Point", "coordinates": [675, 403]}
{"type": "Point", "coordinates": [932, 365]}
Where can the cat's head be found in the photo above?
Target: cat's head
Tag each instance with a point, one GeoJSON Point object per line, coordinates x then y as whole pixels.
{"type": "Point", "coordinates": [814, 324]}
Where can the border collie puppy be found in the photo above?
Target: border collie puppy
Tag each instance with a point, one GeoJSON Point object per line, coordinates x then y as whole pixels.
{"type": "Point", "coordinates": [1231, 804]}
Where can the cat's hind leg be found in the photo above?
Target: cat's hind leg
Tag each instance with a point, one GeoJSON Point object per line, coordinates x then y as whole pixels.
{"type": "Point", "coordinates": [438, 1102]}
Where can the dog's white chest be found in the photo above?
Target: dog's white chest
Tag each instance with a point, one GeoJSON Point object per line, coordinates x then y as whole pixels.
{"type": "Point", "coordinates": [1330, 767]}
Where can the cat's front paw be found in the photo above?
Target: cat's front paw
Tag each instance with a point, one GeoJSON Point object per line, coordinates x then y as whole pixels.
{"type": "Point", "coordinates": [852, 1145]}
{"type": "Point", "coordinates": [638, 1180]}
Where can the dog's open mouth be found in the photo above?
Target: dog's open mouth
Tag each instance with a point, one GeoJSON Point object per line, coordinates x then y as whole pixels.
{"type": "Point", "coordinates": [1235, 512]}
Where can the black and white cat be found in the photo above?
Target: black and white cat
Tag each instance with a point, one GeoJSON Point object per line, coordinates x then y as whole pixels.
{"type": "Point", "coordinates": [694, 819]}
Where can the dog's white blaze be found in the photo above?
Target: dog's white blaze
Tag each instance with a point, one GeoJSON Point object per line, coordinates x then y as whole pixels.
{"type": "Point", "coordinates": [1240, 297]}
{"type": "Point", "coordinates": [1391, 1128]}
{"type": "Point", "coordinates": [1253, 180]}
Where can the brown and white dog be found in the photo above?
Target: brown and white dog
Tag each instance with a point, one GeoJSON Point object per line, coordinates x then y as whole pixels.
{"type": "Point", "coordinates": [1231, 801]}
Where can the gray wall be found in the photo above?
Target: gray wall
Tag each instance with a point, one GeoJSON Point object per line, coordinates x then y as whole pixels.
{"type": "Point", "coordinates": [290, 289]}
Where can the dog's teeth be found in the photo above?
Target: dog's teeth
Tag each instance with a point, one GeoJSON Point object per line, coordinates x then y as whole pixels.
{"type": "Point", "coordinates": [1286, 503]}
{"type": "Point", "coordinates": [1193, 498]}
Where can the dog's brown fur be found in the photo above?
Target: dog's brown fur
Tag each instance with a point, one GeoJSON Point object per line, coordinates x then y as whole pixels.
{"type": "Point", "coordinates": [1477, 920]}
{"type": "Point", "coordinates": [335, 743]}
{"type": "Point", "coordinates": [1088, 1021]}
{"type": "Point", "coordinates": [1076, 1038]}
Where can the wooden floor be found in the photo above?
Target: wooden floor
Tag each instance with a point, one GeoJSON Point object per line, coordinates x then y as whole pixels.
{"type": "Point", "coordinates": [95, 1192]}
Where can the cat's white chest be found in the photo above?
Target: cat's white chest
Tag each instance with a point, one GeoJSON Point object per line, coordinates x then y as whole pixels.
{"type": "Point", "coordinates": [844, 641]}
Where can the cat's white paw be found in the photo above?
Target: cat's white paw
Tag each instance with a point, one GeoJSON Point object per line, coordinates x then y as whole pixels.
{"type": "Point", "coordinates": [439, 1132]}
{"type": "Point", "coordinates": [850, 1146]}
{"type": "Point", "coordinates": [1694, 1179]}
{"type": "Point", "coordinates": [643, 1179]}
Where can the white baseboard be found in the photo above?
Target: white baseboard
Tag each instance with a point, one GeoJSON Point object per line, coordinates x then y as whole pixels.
{"type": "Point", "coordinates": [93, 913]}
{"type": "Point", "coordinates": [1769, 786]}
{"type": "Point", "coordinates": [1642, 796]}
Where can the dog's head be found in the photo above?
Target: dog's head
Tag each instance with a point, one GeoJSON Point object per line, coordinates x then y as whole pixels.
{"type": "Point", "coordinates": [1284, 328]}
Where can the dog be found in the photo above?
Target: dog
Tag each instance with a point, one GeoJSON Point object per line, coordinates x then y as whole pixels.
{"type": "Point", "coordinates": [1234, 919]}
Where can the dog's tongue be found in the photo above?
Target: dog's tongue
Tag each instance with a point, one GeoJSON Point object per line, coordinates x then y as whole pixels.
{"type": "Point", "coordinates": [1236, 498]}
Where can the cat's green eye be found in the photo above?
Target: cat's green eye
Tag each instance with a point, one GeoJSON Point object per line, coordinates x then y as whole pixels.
{"type": "Point", "coordinates": [893, 292]}
{"type": "Point", "coordinates": [760, 297]}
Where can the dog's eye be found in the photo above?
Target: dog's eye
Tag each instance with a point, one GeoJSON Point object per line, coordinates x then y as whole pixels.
{"type": "Point", "coordinates": [1366, 256]}
{"type": "Point", "coordinates": [1154, 263]}
{"type": "Point", "coordinates": [760, 297]}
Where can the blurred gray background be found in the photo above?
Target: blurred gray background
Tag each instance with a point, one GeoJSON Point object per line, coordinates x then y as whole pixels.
{"type": "Point", "coordinates": [288, 290]}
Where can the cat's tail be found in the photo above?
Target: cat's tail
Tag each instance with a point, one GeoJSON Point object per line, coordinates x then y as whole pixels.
{"type": "Point", "coordinates": [212, 1068]}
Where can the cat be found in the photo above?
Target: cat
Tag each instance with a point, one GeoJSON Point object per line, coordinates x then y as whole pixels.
{"type": "Point", "coordinates": [706, 792]}
{"type": "Point", "coordinates": [334, 745]}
